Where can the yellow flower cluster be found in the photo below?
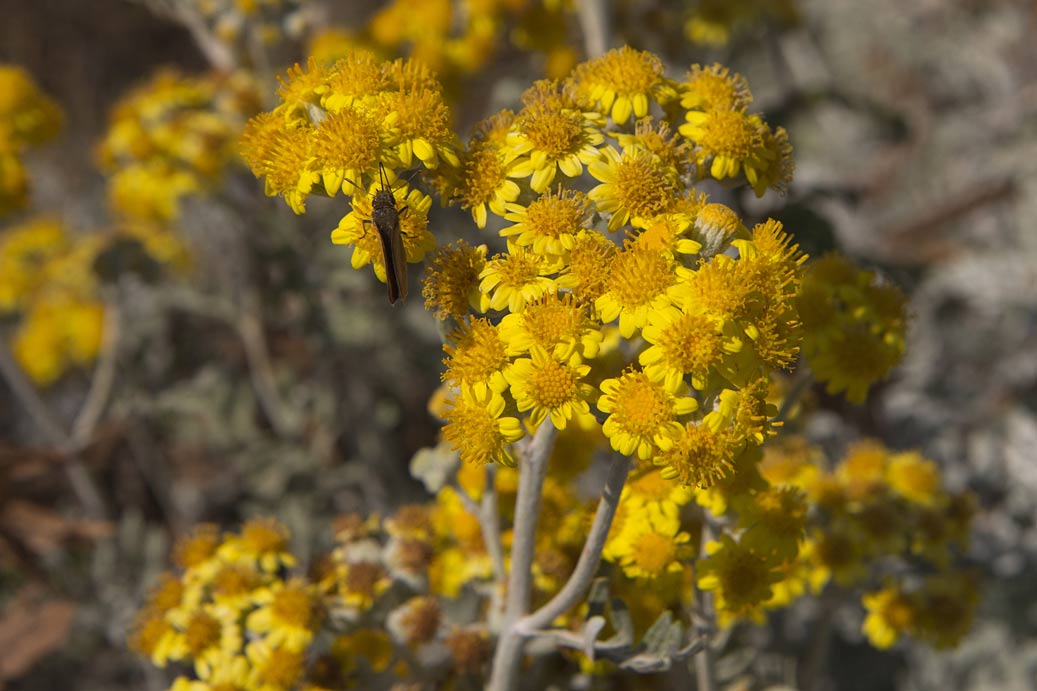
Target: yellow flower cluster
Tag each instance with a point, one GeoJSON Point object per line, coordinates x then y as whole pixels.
{"type": "Point", "coordinates": [237, 617]}
{"type": "Point", "coordinates": [47, 279]}
{"type": "Point", "coordinates": [456, 38]}
{"type": "Point", "coordinates": [339, 128]}
{"type": "Point", "coordinates": [231, 613]}
{"type": "Point", "coordinates": [854, 326]}
{"type": "Point", "coordinates": [875, 508]}
{"type": "Point", "coordinates": [28, 118]}
{"type": "Point", "coordinates": [705, 305]}
{"type": "Point", "coordinates": [173, 136]}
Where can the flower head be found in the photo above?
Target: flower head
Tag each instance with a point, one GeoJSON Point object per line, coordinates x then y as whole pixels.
{"type": "Point", "coordinates": [714, 88]}
{"type": "Point", "coordinates": [636, 288]}
{"type": "Point", "coordinates": [549, 225]}
{"type": "Point", "coordinates": [515, 278]}
{"type": "Point", "coordinates": [451, 286]}
{"type": "Point", "coordinates": [551, 134]}
{"type": "Point", "coordinates": [554, 323]}
{"type": "Point", "coordinates": [642, 415]}
{"type": "Point", "coordinates": [740, 578]}
{"type": "Point", "coordinates": [590, 261]}
{"type": "Point", "coordinates": [476, 429]}
{"type": "Point", "coordinates": [476, 354]}
{"type": "Point", "coordinates": [635, 186]}
{"type": "Point", "coordinates": [548, 387]}
{"type": "Point", "coordinates": [698, 456]}
{"type": "Point", "coordinates": [483, 180]}
{"type": "Point", "coordinates": [622, 82]}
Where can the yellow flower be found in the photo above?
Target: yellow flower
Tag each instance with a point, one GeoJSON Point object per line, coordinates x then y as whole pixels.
{"type": "Point", "coordinates": [740, 578]}
{"type": "Point", "coordinates": [590, 262]}
{"type": "Point", "coordinates": [714, 88]}
{"type": "Point", "coordinates": [476, 355]}
{"type": "Point", "coordinates": [418, 122]}
{"type": "Point", "coordinates": [862, 471]}
{"type": "Point", "coordinates": [658, 494]}
{"type": "Point", "coordinates": [549, 387]}
{"type": "Point", "coordinates": [263, 542]}
{"type": "Point", "coordinates": [14, 183]}
{"type": "Point", "coordinates": [854, 326]}
{"type": "Point", "coordinates": [280, 153]}
{"type": "Point", "coordinates": [549, 225]}
{"type": "Point", "coordinates": [914, 478]}
{"type": "Point", "coordinates": [273, 669]}
{"type": "Point", "coordinates": [195, 552]}
{"type": "Point", "coordinates": [331, 44]}
{"type": "Point", "coordinates": [515, 278]}
{"type": "Point", "coordinates": [154, 637]}
{"type": "Point", "coordinates": [483, 181]}
{"type": "Point", "coordinates": [58, 332]}
{"type": "Point", "coordinates": [890, 614]}
{"type": "Point", "coordinates": [554, 323]}
{"type": "Point", "coordinates": [727, 142]}
{"type": "Point", "coordinates": [286, 615]}
{"type": "Point", "coordinates": [741, 479]}
{"type": "Point", "coordinates": [642, 415]}
{"type": "Point", "coordinates": [27, 116]}
{"type": "Point", "coordinates": [648, 545]}
{"type": "Point", "coordinates": [233, 585]}
{"type": "Point", "coordinates": [551, 134]}
{"type": "Point", "coordinates": [946, 605]}
{"type": "Point", "coordinates": [839, 550]}
{"type": "Point", "coordinates": [415, 622]}
{"type": "Point", "coordinates": [344, 146]}
{"type": "Point", "coordinates": [683, 342]}
{"type": "Point", "coordinates": [673, 153]}
{"type": "Point", "coordinates": [226, 673]}
{"type": "Point", "coordinates": [745, 414]}
{"type": "Point", "coordinates": [637, 287]}
{"type": "Point", "coordinates": [774, 522]}
{"type": "Point", "coordinates": [790, 461]}
{"type": "Point", "coordinates": [635, 186]}
{"type": "Point", "coordinates": [172, 136]}
{"type": "Point", "coordinates": [699, 456]}
{"type": "Point", "coordinates": [359, 584]}
{"type": "Point", "coordinates": [476, 429]}
{"type": "Point", "coordinates": [451, 285]}
{"type": "Point", "coordinates": [621, 82]}
{"type": "Point", "coordinates": [779, 167]}
{"type": "Point", "coordinates": [368, 644]}
{"type": "Point", "coordinates": [211, 635]}
{"type": "Point", "coordinates": [352, 81]}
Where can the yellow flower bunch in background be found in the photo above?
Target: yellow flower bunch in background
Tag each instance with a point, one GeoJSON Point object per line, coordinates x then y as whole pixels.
{"type": "Point", "coordinates": [173, 136]}
{"type": "Point", "coordinates": [47, 280]}
{"type": "Point", "coordinates": [456, 39]}
{"type": "Point", "coordinates": [854, 326]}
{"type": "Point", "coordinates": [874, 513]}
{"type": "Point", "coordinates": [28, 118]}
{"type": "Point", "coordinates": [235, 614]}
{"type": "Point", "coordinates": [170, 138]}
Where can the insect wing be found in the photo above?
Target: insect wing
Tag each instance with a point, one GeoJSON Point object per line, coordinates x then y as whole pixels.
{"type": "Point", "coordinates": [399, 261]}
{"type": "Point", "coordinates": [394, 259]}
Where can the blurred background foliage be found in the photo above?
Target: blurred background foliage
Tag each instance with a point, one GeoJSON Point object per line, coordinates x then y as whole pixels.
{"type": "Point", "coordinates": [264, 376]}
